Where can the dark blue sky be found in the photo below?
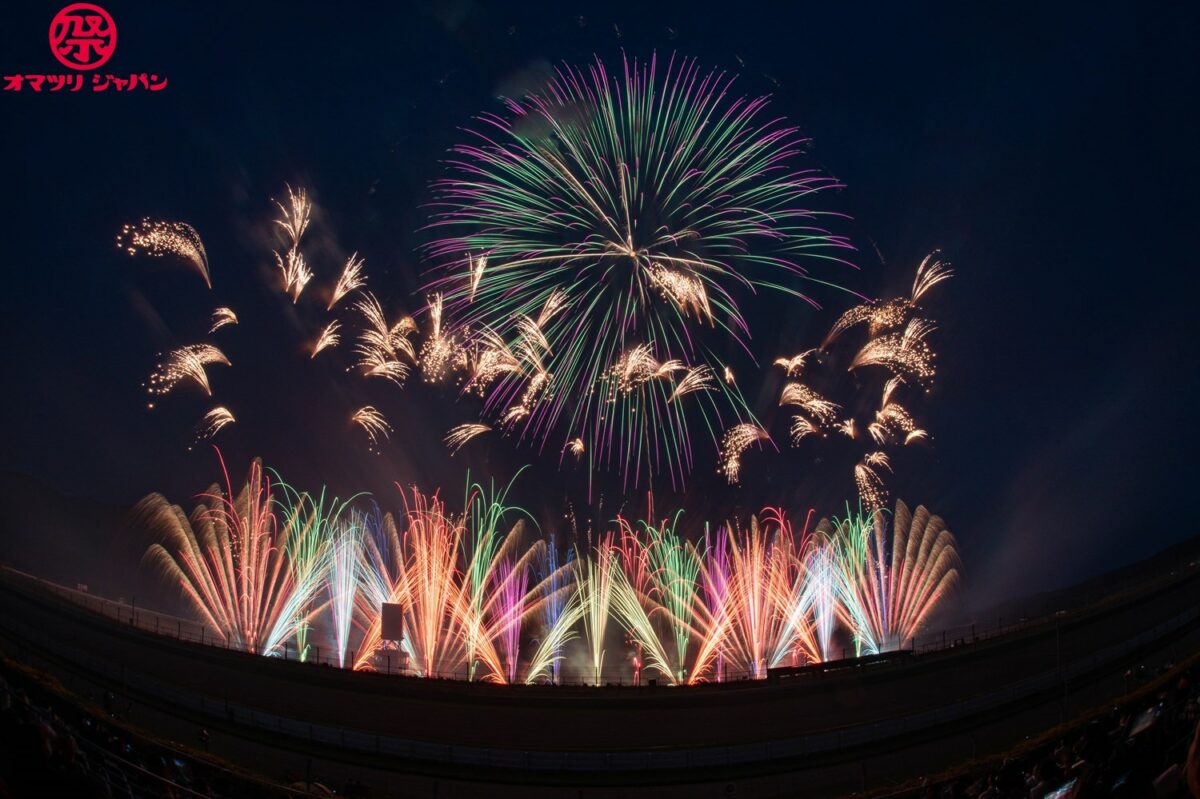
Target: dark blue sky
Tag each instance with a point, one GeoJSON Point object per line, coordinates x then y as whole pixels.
{"type": "Point", "coordinates": [1047, 149]}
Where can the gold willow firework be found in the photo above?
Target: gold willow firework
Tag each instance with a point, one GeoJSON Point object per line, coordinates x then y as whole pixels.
{"type": "Point", "coordinates": [328, 338]}
{"type": "Point", "coordinates": [161, 239]}
{"type": "Point", "coordinates": [897, 344]}
{"type": "Point", "coordinates": [222, 317]}
{"type": "Point", "coordinates": [293, 219]}
{"type": "Point", "coordinates": [382, 344]}
{"type": "Point", "coordinates": [381, 348]}
{"type": "Point", "coordinates": [374, 423]}
{"type": "Point", "coordinates": [736, 441]}
{"type": "Point", "coordinates": [644, 207]}
{"type": "Point", "coordinates": [211, 423]}
{"type": "Point", "coordinates": [185, 363]}
{"type": "Point", "coordinates": [275, 571]}
{"type": "Point", "coordinates": [460, 435]}
{"type": "Point", "coordinates": [351, 279]}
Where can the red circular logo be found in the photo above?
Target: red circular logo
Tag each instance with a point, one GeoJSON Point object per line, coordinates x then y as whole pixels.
{"type": "Point", "coordinates": [83, 36]}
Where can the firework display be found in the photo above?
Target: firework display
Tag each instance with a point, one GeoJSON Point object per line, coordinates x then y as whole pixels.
{"type": "Point", "coordinates": [271, 569]}
{"type": "Point", "coordinates": [598, 240]}
{"type": "Point", "coordinates": [897, 346]}
{"type": "Point", "coordinates": [592, 259]}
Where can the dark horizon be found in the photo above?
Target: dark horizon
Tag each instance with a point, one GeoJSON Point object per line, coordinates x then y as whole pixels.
{"type": "Point", "coordinates": [1045, 152]}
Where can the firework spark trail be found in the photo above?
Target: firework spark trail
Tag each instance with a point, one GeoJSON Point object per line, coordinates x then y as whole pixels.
{"type": "Point", "coordinates": [307, 527]}
{"type": "Point", "coordinates": [263, 569]}
{"type": "Point", "coordinates": [344, 558]}
{"type": "Point", "coordinates": [735, 442]}
{"type": "Point", "coordinates": [460, 435]}
{"type": "Point", "coordinates": [897, 341]}
{"type": "Point", "coordinates": [812, 403]}
{"type": "Point", "coordinates": [675, 572]}
{"type": "Point", "coordinates": [377, 365]}
{"type": "Point", "coordinates": [685, 290]}
{"type": "Point", "coordinates": [160, 239]}
{"type": "Point", "coordinates": [351, 279]}
{"type": "Point", "coordinates": [211, 423]}
{"type": "Point", "coordinates": [893, 423]}
{"type": "Point", "coordinates": [930, 272]}
{"type": "Point", "coordinates": [871, 487]}
{"type": "Point", "coordinates": [464, 587]}
{"type": "Point", "coordinates": [576, 447]}
{"type": "Point", "coordinates": [905, 354]}
{"type": "Point", "coordinates": [638, 366]}
{"type": "Point", "coordinates": [427, 586]}
{"type": "Point", "coordinates": [795, 366]}
{"type": "Point", "coordinates": [294, 218]}
{"type": "Point", "coordinates": [594, 582]}
{"type": "Point", "coordinates": [560, 613]}
{"type": "Point", "coordinates": [753, 627]}
{"type": "Point", "coordinates": [650, 209]}
{"type": "Point", "coordinates": [699, 378]}
{"type": "Point", "coordinates": [227, 559]}
{"type": "Point", "coordinates": [222, 317]}
{"type": "Point", "coordinates": [477, 267]}
{"type": "Point", "coordinates": [801, 428]}
{"type": "Point", "coordinates": [374, 423]}
{"type": "Point", "coordinates": [441, 351]}
{"type": "Point", "coordinates": [381, 343]}
{"type": "Point", "coordinates": [820, 597]}
{"type": "Point", "coordinates": [495, 359]}
{"type": "Point", "coordinates": [890, 584]}
{"type": "Point", "coordinates": [882, 317]}
{"type": "Point", "coordinates": [295, 272]}
{"type": "Point", "coordinates": [327, 339]}
{"type": "Point", "coordinates": [185, 363]}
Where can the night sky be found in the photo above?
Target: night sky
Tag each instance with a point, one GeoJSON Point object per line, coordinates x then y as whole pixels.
{"type": "Point", "coordinates": [1047, 149]}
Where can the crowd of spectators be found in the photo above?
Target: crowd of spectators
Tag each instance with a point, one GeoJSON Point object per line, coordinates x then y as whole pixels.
{"type": "Point", "coordinates": [1146, 749]}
